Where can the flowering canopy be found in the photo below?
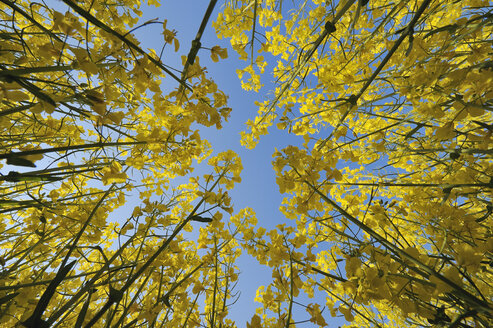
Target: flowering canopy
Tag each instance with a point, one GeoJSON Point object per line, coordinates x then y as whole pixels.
{"type": "Point", "coordinates": [389, 196]}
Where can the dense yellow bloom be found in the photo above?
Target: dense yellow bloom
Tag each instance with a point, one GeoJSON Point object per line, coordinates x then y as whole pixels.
{"type": "Point", "coordinates": [394, 175]}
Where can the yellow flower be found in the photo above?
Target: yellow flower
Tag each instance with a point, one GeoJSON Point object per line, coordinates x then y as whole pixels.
{"type": "Point", "coordinates": [113, 174]}
{"type": "Point", "coordinates": [217, 52]}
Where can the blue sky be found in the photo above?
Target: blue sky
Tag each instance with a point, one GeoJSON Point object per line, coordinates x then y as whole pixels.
{"type": "Point", "coordinates": [258, 188]}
